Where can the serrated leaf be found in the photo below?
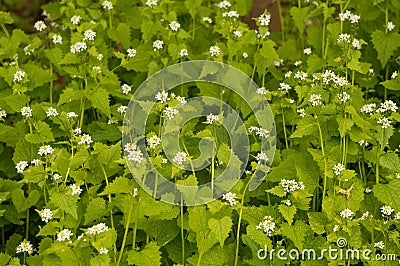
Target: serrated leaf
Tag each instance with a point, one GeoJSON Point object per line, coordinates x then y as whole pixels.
{"type": "Point", "coordinates": [121, 34]}
{"type": "Point", "coordinates": [287, 212]}
{"type": "Point", "coordinates": [65, 202]}
{"type": "Point", "coordinates": [317, 222]}
{"type": "Point", "coordinates": [149, 256]}
{"type": "Point", "coordinates": [390, 161]}
{"type": "Point", "coordinates": [42, 134]}
{"type": "Point", "coordinates": [198, 219]}
{"type": "Point", "coordinates": [296, 232]}
{"type": "Point", "coordinates": [220, 228]}
{"type": "Point", "coordinates": [388, 194]}
{"type": "Point", "coordinates": [96, 209]}
{"type": "Point", "coordinates": [278, 191]}
{"type": "Point", "coordinates": [392, 84]}
{"type": "Point", "coordinates": [385, 44]}
{"type": "Point", "coordinates": [305, 127]}
{"type": "Point", "coordinates": [100, 101]}
{"type": "Point", "coordinates": [119, 185]}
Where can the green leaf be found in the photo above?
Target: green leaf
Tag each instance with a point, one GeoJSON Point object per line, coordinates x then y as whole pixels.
{"type": "Point", "coordinates": [65, 202]}
{"type": "Point", "coordinates": [122, 34]}
{"type": "Point", "coordinates": [390, 161]}
{"type": "Point", "coordinates": [278, 191]}
{"type": "Point", "coordinates": [287, 212]}
{"type": "Point", "coordinates": [100, 101]}
{"type": "Point", "coordinates": [5, 18]}
{"type": "Point", "coordinates": [106, 239]}
{"type": "Point", "coordinates": [305, 127]}
{"type": "Point", "coordinates": [392, 84]}
{"type": "Point", "coordinates": [345, 125]}
{"type": "Point", "coordinates": [149, 256]}
{"type": "Point", "coordinates": [317, 222]}
{"type": "Point", "coordinates": [299, 16]}
{"type": "Point", "coordinates": [296, 232]}
{"type": "Point", "coordinates": [385, 44]}
{"type": "Point", "coordinates": [388, 193]}
{"type": "Point", "coordinates": [95, 210]}
{"type": "Point", "coordinates": [220, 228]}
{"type": "Point", "coordinates": [119, 185]}
{"type": "Point", "coordinates": [100, 260]}
{"type": "Point", "coordinates": [4, 258]}
{"type": "Point", "coordinates": [21, 203]}
{"type": "Point", "coordinates": [69, 94]}
{"type": "Point", "coordinates": [198, 219]}
{"type": "Point", "coordinates": [42, 134]}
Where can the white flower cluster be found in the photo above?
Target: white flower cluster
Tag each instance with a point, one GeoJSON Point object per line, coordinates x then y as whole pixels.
{"type": "Point", "coordinates": [307, 51]}
{"type": "Point", "coordinates": [174, 25]}
{"type": "Point", "coordinates": [103, 251]}
{"type": "Point", "coordinates": [64, 234]}
{"type": "Point", "coordinates": [153, 141]}
{"type": "Point", "coordinates": [211, 118]}
{"type": "Point", "coordinates": [386, 210]}
{"type": "Point", "coordinates": [75, 20]}
{"type": "Point", "coordinates": [284, 86]}
{"type": "Point", "coordinates": [261, 157]}
{"type": "Point", "coordinates": [343, 97]}
{"type": "Point", "coordinates": [162, 96]}
{"type": "Point", "coordinates": [89, 35]}
{"type": "Point", "coordinates": [300, 75]}
{"type": "Point", "coordinates": [45, 150]}
{"type": "Point", "coordinates": [51, 111]}
{"type": "Point", "coordinates": [261, 132]}
{"type": "Point", "coordinates": [230, 197]}
{"type": "Point", "coordinates": [183, 52]}
{"type": "Point", "coordinates": [126, 88]}
{"type": "Point", "coordinates": [215, 50]}
{"type": "Point", "coordinates": [264, 19]}
{"type": "Point", "coordinates": [347, 15]}
{"type": "Point", "coordinates": [122, 109]}
{"type": "Point", "coordinates": [85, 139]}
{"type": "Point", "coordinates": [346, 213]}
{"type": "Point", "coordinates": [302, 112]}
{"type": "Point", "coordinates": [25, 246]}
{"type": "Point", "coordinates": [26, 111]}
{"type": "Point", "coordinates": [40, 26]}
{"type": "Point", "coordinates": [267, 225]}
{"type": "Point", "coordinates": [315, 99]}
{"type": "Point", "coordinates": [224, 4]}
{"type": "Point", "coordinates": [157, 45]}
{"type": "Point", "coordinates": [28, 50]}
{"type": "Point", "coordinates": [19, 76]}
{"type": "Point", "coordinates": [71, 115]}
{"type": "Point", "coordinates": [231, 14]}
{"type": "Point", "coordinates": [75, 190]}
{"type": "Point", "coordinates": [291, 185]}
{"type": "Point", "coordinates": [97, 229]}
{"type": "Point", "coordinates": [170, 112]}
{"type": "Point", "coordinates": [390, 26]}
{"type": "Point", "coordinates": [107, 5]}
{"type": "Point", "coordinates": [21, 166]}
{"type": "Point", "coordinates": [57, 39]}
{"type": "Point", "coordinates": [46, 215]}
{"type": "Point", "coordinates": [180, 158]}
{"type": "Point", "coordinates": [363, 143]}
{"type": "Point", "coordinates": [338, 168]}
{"type": "Point", "coordinates": [78, 47]}
{"type": "Point", "coordinates": [329, 76]}
{"type": "Point", "coordinates": [131, 52]}
{"type": "Point", "coordinates": [379, 244]}
{"type": "Point", "coordinates": [262, 91]}
{"type": "Point", "coordinates": [3, 113]}
{"type": "Point", "coordinates": [134, 154]}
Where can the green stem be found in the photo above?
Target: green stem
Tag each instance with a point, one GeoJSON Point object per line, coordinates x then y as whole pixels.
{"type": "Point", "coordinates": [284, 127]}
{"type": "Point", "coordinates": [125, 234]}
{"type": "Point", "coordinates": [323, 156]}
{"type": "Point", "coordinates": [182, 234]}
{"type": "Point", "coordinates": [281, 20]}
{"type": "Point", "coordinates": [27, 216]}
{"type": "Point", "coordinates": [51, 84]}
{"type": "Point", "coordinates": [5, 31]}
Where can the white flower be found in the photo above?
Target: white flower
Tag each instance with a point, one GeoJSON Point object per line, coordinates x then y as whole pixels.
{"type": "Point", "coordinates": [340, 81]}
{"type": "Point", "coordinates": [180, 158]}
{"type": "Point", "coordinates": [237, 33]}
{"type": "Point", "coordinates": [181, 100]}
{"type": "Point", "coordinates": [389, 105]}
{"type": "Point", "coordinates": [36, 162]}
{"type": "Point", "coordinates": [284, 86]}
{"type": "Point", "coordinates": [99, 57]}
{"type": "Point", "coordinates": [75, 20]}
{"type": "Point", "coordinates": [298, 63]}
{"type": "Point", "coordinates": [153, 141]}
{"type": "Point", "coordinates": [103, 251]}
{"type": "Point", "coordinates": [51, 111]}
{"type": "Point", "coordinates": [75, 190]}
{"type": "Point", "coordinates": [292, 185]}
{"type": "Point", "coordinates": [162, 96]}
{"type": "Point", "coordinates": [183, 52]}
{"type": "Point", "coordinates": [343, 97]}
{"type": "Point", "coordinates": [300, 75]}
{"type": "Point", "coordinates": [363, 143]}
{"type": "Point", "coordinates": [356, 44]}
{"type": "Point", "coordinates": [328, 76]}
{"type": "Point", "coordinates": [288, 202]}
{"type": "Point", "coordinates": [336, 228]}
{"type": "Point", "coordinates": [135, 155]}
{"type": "Point", "coordinates": [384, 121]}
{"type": "Point", "coordinates": [25, 246]}
{"type": "Point", "coordinates": [97, 68]}
{"type": "Point", "coordinates": [40, 26]}
{"type": "Point", "coordinates": [135, 192]}
{"type": "Point", "coordinates": [346, 213]}
{"type": "Point", "coordinates": [344, 37]}
{"type": "Point", "coordinates": [230, 197]}
{"type": "Point", "coordinates": [207, 19]}
{"type": "Point", "coordinates": [45, 150]}
{"type": "Point", "coordinates": [19, 76]}
{"type": "Point", "coordinates": [379, 244]}
{"type": "Point", "coordinates": [262, 132]}
{"type": "Point", "coordinates": [261, 157]}
{"type": "Point", "coordinates": [170, 112]}
{"type": "Point", "coordinates": [21, 165]}
{"type": "Point", "coordinates": [371, 71]}
{"type": "Point", "coordinates": [78, 47]}
{"type": "Point", "coordinates": [57, 39]}
{"type": "Point", "coordinates": [307, 51]}
{"type": "Point", "coordinates": [122, 109]}
{"type": "Point", "coordinates": [46, 215]}
{"type": "Point", "coordinates": [3, 113]}
{"type": "Point", "coordinates": [26, 111]}
{"type": "Point", "coordinates": [56, 177]}
{"type": "Point", "coordinates": [245, 55]}
{"type": "Point", "coordinates": [126, 88]}
{"type": "Point", "coordinates": [107, 5]}
{"type": "Point", "coordinates": [224, 4]}
{"type": "Point", "coordinates": [64, 235]}
{"type": "Point", "coordinates": [131, 52]}
{"type": "Point", "coordinates": [387, 210]}
{"type": "Point", "coordinates": [315, 99]}
{"type": "Point", "coordinates": [85, 139]}
{"type": "Point", "coordinates": [267, 225]}
{"type": "Point", "coordinates": [211, 118]}
{"type": "Point", "coordinates": [394, 75]}
{"type": "Point", "coordinates": [151, 3]}
{"type": "Point", "coordinates": [157, 45]}
{"type": "Point", "coordinates": [71, 115]}
{"type": "Point", "coordinates": [28, 50]}
{"type": "Point", "coordinates": [174, 25]}
{"type": "Point", "coordinates": [264, 19]}
{"type": "Point", "coordinates": [368, 108]}
{"type": "Point", "coordinates": [397, 216]}
{"type": "Point", "coordinates": [302, 112]}
{"type": "Point", "coordinates": [112, 121]}
{"type": "Point", "coordinates": [262, 91]}
{"type": "Point", "coordinates": [288, 74]}
{"type": "Point", "coordinates": [354, 18]}
{"type": "Point", "coordinates": [338, 168]}
{"type": "Point", "coordinates": [164, 160]}
{"type": "Point", "coordinates": [231, 14]}
{"type": "Point", "coordinates": [97, 229]}
{"type": "Point", "coordinates": [214, 50]}
{"type": "Point", "coordinates": [390, 26]}
{"type": "Point", "coordinates": [364, 216]}
{"type": "Point", "coordinates": [77, 131]}
{"type": "Point", "coordinates": [89, 35]}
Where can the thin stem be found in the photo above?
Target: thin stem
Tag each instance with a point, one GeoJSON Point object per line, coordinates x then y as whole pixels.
{"type": "Point", "coordinates": [125, 233]}
{"type": "Point", "coordinates": [51, 84]}
{"type": "Point", "coordinates": [284, 127]}
{"type": "Point", "coordinates": [182, 235]}
{"type": "Point", "coordinates": [281, 20]}
{"type": "Point", "coordinates": [5, 31]}
{"type": "Point", "coordinates": [323, 156]}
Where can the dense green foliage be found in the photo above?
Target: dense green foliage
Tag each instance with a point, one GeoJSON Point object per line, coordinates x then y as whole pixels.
{"type": "Point", "coordinates": [330, 75]}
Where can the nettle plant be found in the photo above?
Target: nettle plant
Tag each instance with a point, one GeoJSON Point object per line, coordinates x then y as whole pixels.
{"type": "Point", "coordinates": [330, 76]}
